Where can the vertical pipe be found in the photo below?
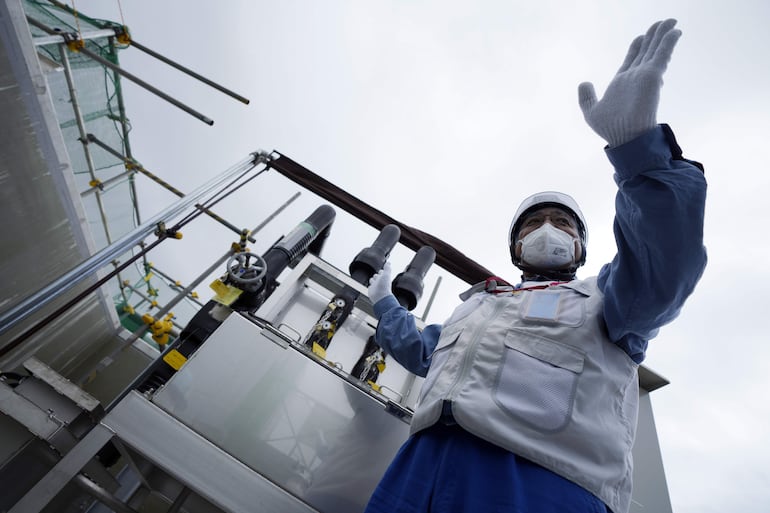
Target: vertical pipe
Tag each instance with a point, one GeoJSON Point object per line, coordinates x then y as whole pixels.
{"type": "Point", "coordinates": [431, 298]}
{"type": "Point", "coordinates": [82, 131]}
{"type": "Point", "coordinates": [126, 146]}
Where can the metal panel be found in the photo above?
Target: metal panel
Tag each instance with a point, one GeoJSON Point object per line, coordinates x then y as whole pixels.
{"type": "Point", "coordinates": [62, 385]}
{"type": "Point", "coordinates": [27, 413]}
{"type": "Point", "coordinates": [296, 305]}
{"type": "Point", "coordinates": [42, 212]}
{"type": "Point", "coordinates": [196, 462]}
{"type": "Point", "coordinates": [286, 415]}
{"type": "Point", "coordinates": [650, 489]}
{"type": "Point", "coordinates": [63, 472]}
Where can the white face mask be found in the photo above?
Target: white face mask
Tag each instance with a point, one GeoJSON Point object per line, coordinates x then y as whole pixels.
{"type": "Point", "coordinates": [548, 248]}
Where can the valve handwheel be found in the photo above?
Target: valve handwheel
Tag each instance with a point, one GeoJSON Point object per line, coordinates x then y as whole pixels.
{"type": "Point", "coordinates": [246, 268]}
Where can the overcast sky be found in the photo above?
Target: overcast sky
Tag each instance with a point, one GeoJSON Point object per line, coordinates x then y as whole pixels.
{"type": "Point", "coordinates": [445, 115]}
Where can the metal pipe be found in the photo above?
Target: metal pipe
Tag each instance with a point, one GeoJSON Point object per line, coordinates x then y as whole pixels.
{"type": "Point", "coordinates": [58, 39]}
{"type": "Point", "coordinates": [124, 128]}
{"type": "Point", "coordinates": [274, 214]}
{"type": "Point", "coordinates": [133, 165]}
{"type": "Point", "coordinates": [82, 131]}
{"type": "Point", "coordinates": [162, 235]}
{"type": "Point", "coordinates": [126, 142]}
{"type": "Point", "coordinates": [107, 64]}
{"type": "Point", "coordinates": [58, 287]}
{"type": "Point", "coordinates": [187, 290]}
{"type": "Point", "coordinates": [145, 298]}
{"type": "Point", "coordinates": [101, 494]}
{"type": "Point", "coordinates": [142, 295]}
{"type": "Point", "coordinates": [431, 298]}
{"type": "Point", "coordinates": [188, 71]}
{"type": "Point", "coordinates": [121, 103]}
{"type": "Point", "coordinates": [153, 53]}
{"type": "Point", "coordinates": [173, 283]}
{"type": "Point", "coordinates": [106, 183]}
{"type": "Point", "coordinates": [142, 329]}
{"type": "Point", "coordinates": [138, 81]}
{"type": "Point", "coordinates": [136, 335]}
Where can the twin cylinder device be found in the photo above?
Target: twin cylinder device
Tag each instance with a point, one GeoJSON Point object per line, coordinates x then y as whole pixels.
{"type": "Point", "coordinates": [256, 277]}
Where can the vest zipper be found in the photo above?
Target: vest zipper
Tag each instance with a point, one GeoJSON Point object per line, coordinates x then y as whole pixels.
{"type": "Point", "coordinates": [470, 351]}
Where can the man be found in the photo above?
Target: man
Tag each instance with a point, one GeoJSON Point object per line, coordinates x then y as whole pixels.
{"type": "Point", "coordinates": [530, 397]}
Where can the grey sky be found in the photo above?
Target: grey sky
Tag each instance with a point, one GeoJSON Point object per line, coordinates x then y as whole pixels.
{"type": "Point", "coordinates": [445, 114]}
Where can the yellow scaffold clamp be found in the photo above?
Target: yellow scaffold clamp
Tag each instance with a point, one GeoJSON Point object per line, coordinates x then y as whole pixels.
{"type": "Point", "coordinates": [122, 36]}
{"type": "Point", "coordinates": [160, 328]}
{"type": "Point", "coordinates": [161, 230]}
{"type": "Point", "coordinates": [75, 45]}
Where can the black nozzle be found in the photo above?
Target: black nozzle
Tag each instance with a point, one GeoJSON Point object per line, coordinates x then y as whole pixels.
{"type": "Point", "coordinates": [408, 286]}
{"type": "Point", "coordinates": [316, 225]}
{"type": "Point", "coordinates": [286, 252]}
{"type": "Point", "coordinates": [371, 259]}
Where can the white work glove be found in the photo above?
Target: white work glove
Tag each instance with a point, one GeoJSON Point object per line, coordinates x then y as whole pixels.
{"type": "Point", "coordinates": [630, 104]}
{"type": "Point", "coordinates": [379, 284]}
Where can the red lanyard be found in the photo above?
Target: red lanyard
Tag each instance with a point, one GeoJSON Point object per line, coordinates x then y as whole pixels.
{"type": "Point", "coordinates": [497, 285]}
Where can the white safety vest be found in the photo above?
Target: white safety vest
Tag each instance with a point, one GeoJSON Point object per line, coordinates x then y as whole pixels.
{"type": "Point", "coordinates": [535, 373]}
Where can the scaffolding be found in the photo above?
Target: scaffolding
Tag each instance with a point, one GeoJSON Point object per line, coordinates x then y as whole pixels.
{"type": "Point", "coordinates": [80, 56]}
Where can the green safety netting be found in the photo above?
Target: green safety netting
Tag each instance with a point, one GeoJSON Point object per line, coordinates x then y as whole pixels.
{"type": "Point", "coordinates": [112, 211]}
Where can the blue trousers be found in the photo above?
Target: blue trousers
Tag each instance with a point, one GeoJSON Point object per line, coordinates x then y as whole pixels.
{"type": "Point", "coordinates": [445, 469]}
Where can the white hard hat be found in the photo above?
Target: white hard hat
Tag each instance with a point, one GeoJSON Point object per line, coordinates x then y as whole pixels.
{"type": "Point", "coordinates": [543, 200]}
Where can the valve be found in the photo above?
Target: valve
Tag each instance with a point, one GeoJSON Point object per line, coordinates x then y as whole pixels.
{"type": "Point", "coordinates": [246, 270]}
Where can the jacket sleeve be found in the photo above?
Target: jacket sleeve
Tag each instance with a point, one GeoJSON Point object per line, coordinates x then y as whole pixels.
{"type": "Point", "coordinates": [398, 335]}
{"type": "Point", "coordinates": [659, 211]}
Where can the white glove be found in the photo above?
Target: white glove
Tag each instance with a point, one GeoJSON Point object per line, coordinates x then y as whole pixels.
{"type": "Point", "coordinates": [379, 284]}
{"type": "Point", "coordinates": [629, 106]}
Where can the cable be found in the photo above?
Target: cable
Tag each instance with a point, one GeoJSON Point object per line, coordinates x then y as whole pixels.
{"type": "Point", "coordinates": [212, 202]}
{"type": "Point", "coordinates": [120, 9]}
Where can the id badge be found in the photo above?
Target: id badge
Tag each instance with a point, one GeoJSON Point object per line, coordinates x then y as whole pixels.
{"type": "Point", "coordinates": [544, 305]}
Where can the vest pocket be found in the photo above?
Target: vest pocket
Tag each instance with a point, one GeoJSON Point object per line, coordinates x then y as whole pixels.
{"type": "Point", "coordinates": [537, 380]}
{"type": "Point", "coordinates": [440, 356]}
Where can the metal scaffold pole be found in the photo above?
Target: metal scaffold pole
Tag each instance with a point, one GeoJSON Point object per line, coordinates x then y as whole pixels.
{"type": "Point", "coordinates": [66, 282]}
{"type": "Point", "coordinates": [133, 78]}
{"type": "Point", "coordinates": [188, 71]}
{"type": "Point", "coordinates": [130, 163]}
{"type": "Point", "coordinates": [127, 39]}
{"type": "Point", "coordinates": [83, 139]}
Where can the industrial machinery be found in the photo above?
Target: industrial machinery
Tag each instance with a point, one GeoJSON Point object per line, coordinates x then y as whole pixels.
{"type": "Point", "coordinates": [272, 397]}
{"type": "Point", "coordinates": [243, 409]}
{"type": "Point", "coordinates": [246, 380]}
